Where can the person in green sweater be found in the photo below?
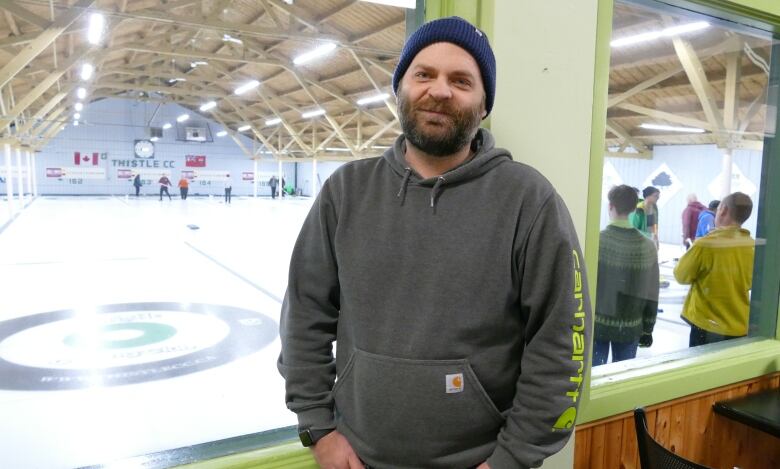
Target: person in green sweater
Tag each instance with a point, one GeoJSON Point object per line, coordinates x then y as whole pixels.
{"type": "Point", "coordinates": [627, 285]}
{"type": "Point", "coordinates": [719, 268]}
{"type": "Point", "coordinates": [645, 217]}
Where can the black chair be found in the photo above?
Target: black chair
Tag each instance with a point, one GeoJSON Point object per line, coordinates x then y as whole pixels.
{"type": "Point", "coordinates": [651, 454]}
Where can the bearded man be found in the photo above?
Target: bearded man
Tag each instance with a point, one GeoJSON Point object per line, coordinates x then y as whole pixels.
{"type": "Point", "coordinates": [452, 280]}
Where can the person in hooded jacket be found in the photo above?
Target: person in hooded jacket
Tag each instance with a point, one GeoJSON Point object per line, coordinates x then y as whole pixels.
{"type": "Point", "coordinates": [690, 219]}
{"type": "Point", "coordinates": [452, 280]}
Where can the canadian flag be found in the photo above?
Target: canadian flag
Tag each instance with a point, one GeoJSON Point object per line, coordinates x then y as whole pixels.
{"type": "Point", "coordinates": [78, 158]}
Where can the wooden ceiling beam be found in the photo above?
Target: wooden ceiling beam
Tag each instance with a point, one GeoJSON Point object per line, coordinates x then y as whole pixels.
{"type": "Point", "coordinates": [44, 40]}
{"type": "Point", "coordinates": [20, 12]}
{"type": "Point", "coordinates": [695, 71]}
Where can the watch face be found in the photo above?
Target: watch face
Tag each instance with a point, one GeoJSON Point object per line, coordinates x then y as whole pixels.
{"type": "Point", "coordinates": [144, 149]}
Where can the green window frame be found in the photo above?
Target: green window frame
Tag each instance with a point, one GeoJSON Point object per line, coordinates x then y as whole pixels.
{"type": "Point", "coordinates": [690, 371]}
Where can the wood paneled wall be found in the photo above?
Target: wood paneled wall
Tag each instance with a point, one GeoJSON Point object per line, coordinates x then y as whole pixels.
{"type": "Point", "coordinates": [689, 427]}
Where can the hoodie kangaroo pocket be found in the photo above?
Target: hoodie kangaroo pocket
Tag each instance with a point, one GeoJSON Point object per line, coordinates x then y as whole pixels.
{"type": "Point", "coordinates": [414, 410]}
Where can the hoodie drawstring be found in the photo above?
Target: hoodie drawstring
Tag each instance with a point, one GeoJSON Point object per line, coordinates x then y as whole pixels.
{"type": "Point", "coordinates": [404, 183]}
{"type": "Point", "coordinates": [435, 190]}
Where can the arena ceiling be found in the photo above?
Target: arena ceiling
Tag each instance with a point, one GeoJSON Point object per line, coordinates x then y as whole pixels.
{"type": "Point", "coordinates": [712, 79]}
{"type": "Point", "coordinates": [191, 52]}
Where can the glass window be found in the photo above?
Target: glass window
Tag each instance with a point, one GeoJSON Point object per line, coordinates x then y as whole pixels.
{"type": "Point", "coordinates": [683, 198]}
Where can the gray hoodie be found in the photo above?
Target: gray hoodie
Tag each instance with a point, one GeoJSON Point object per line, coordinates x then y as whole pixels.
{"type": "Point", "coordinates": [460, 309]}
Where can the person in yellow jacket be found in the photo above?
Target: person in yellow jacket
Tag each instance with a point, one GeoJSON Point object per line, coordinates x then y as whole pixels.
{"type": "Point", "coordinates": [719, 268]}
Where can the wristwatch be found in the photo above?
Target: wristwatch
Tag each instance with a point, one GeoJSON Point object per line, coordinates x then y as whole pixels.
{"type": "Point", "coordinates": [310, 437]}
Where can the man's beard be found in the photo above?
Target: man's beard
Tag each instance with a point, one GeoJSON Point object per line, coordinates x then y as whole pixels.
{"type": "Point", "coordinates": [465, 122]}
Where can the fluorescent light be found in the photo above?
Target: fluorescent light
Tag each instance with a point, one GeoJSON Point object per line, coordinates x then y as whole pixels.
{"type": "Point", "coordinates": [244, 128]}
{"type": "Point", "coordinates": [221, 133]}
{"type": "Point", "coordinates": [75, 123]}
{"type": "Point", "coordinates": [273, 121]}
{"type": "Point", "coordinates": [314, 113]}
{"type": "Point", "coordinates": [174, 80]}
{"type": "Point", "coordinates": [672, 128]}
{"type": "Point", "coordinates": [208, 105]}
{"type": "Point", "coordinates": [671, 31]}
{"type": "Point", "coordinates": [182, 118]}
{"type": "Point", "coordinates": [77, 116]}
{"type": "Point", "coordinates": [247, 86]}
{"type": "Point", "coordinates": [154, 139]}
{"type": "Point", "coordinates": [373, 99]}
{"type": "Point", "coordinates": [86, 71]}
{"type": "Point", "coordinates": [336, 149]}
{"type": "Point", "coordinates": [198, 62]}
{"type": "Point", "coordinates": [228, 38]}
{"type": "Point", "coordinates": [380, 147]}
{"type": "Point", "coordinates": [81, 92]}
{"type": "Point", "coordinates": [78, 107]}
{"type": "Point", "coordinates": [96, 24]}
{"type": "Point", "coordinates": [166, 126]}
{"type": "Point", "coordinates": [410, 4]}
{"type": "Point", "coordinates": [313, 54]}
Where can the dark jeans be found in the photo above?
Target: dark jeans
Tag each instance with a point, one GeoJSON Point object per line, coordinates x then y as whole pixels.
{"type": "Point", "coordinates": [137, 190]}
{"type": "Point", "coordinates": [701, 336]}
{"type": "Point", "coordinates": [273, 192]}
{"type": "Point", "coordinates": [164, 189]}
{"type": "Point", "coordinates": [228, 190]}
{"type": "Point", "coordinates": [620, 351]}
{"type": "Point", "coordinates": [184, 191]}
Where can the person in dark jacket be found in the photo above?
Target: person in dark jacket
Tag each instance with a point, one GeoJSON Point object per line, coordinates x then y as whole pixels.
{"type": "Point", "coordinates": [273, 183]}
{"type": "Point", "coordinates": [452, 280]}
{"type": "Point", "coordinates": [690, 219]}
{"type": "Point", "coordinates": [627, 285]}
{"type": "Point", "coordinates": [137, 184]}
{"type": "Point", "coordinates": [165, 183]}
{"type": "Point", "coordinates": [707, 219]}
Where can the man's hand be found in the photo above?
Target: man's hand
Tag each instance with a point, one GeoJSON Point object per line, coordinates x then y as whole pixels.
{"type": "Point", "coordinates": [484, 465]}
{"type": "Point", "coordinates": [646, 340]}
{"type": "Point", "coordinates": [333, 451]}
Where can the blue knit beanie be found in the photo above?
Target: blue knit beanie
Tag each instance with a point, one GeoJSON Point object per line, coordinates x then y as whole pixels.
{"type": "Point", "coordinates": [461, 33]}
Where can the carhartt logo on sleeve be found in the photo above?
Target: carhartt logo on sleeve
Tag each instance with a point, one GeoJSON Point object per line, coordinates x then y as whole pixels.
{"type": "Point", "coordinates": [567, 418]}
{"type": "Point", "coordinates": [454, 383]}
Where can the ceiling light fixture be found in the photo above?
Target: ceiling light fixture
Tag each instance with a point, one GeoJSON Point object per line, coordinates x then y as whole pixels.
{"type": "Point", "coordinates": [410, 4]}
{"type": "Point", "coordinates": [154, 139]}
{"type": "Point", "coordinates": [78, 107]}
{"type": "Point", "coordinates": [174, 80]}
{"type": "Point", "coordinates": [86, 71]}
{"type": "Point", "coordinates": [373, 99]}
{"type": "Point", "coordinates": [208, 105]}
{"type": "Point", "coordinates": [81, 92]}
{"type": "Point", "coordinates": [314, 113]}
{"type": "Point", "coordinates": [228, 38]}
{"type": "Point", "coordinates": [167, 126]}
{"type": "Point", "coordinates": [221, 133]}
{"type": "Point", "coordinates": [182, 118]}
{"type": "Point", "coordinates": [671, 31]}
{"type": "Point", "coordinates": [336, 149]}
{"type": "Point", "coordinates": [313, 54]}
{"type": "Point", "coordinates": [198, 62]}
{"type": "Point", "coordinates": [75, 123]}
{"type": "Point", "coordinates": [672, 128]}
{"type": "Point", "coordinates": [247, 86]}
{"type": "Point", "coordinates": [77, 116]}
{"type": "Point", "coordinates": [96, 24]}
{"type": "Point", "coordinates": [244, 128]}
{"type": "Point", "coordinates": [273, 121]}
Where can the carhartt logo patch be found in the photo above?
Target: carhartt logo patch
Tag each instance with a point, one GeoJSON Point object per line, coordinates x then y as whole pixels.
{"type": "Point", "coordinates": [454, 383]}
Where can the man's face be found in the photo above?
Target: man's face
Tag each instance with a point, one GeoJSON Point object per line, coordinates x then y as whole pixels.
{"type": "Point", "coordinates": [441, 99]}
{"type": "Point", "coordinates": [653, 198]}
